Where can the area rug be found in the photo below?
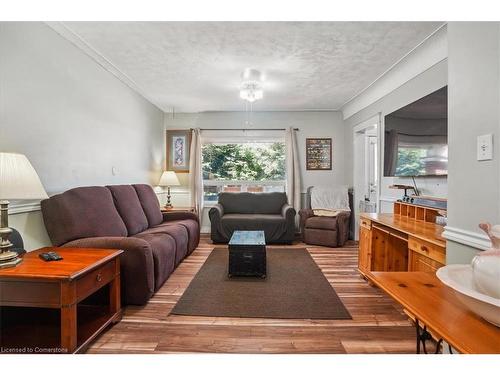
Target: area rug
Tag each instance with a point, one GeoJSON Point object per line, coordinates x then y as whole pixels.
{"type": "Point", "coordinates": [295, 288]}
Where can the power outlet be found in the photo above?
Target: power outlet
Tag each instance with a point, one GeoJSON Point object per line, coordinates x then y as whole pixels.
{"type": "Point", "coordinates": [485, 147]}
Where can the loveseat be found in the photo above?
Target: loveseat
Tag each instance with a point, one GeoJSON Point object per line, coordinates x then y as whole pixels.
{"type": "Point", "coordinates": [126, 217]}
{"type": "Point", "coordinates": [269, 212]}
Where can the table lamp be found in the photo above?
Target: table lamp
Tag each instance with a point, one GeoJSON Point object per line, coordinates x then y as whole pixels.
{"type": "Point", "coordinates": [168, 178]}
{"type": "Point", "coordinates": [18, 181]}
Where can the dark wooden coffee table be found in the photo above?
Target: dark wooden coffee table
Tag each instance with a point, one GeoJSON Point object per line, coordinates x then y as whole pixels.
{"type": "Point", "coordinates": [247, 254]}
{"type": "Point", "coordinates": [59, 307]}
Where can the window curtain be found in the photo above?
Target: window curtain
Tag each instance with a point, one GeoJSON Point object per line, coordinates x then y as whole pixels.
{"type": "Point", "coordinates": [391, 152]}
{"type": "Point", "coordinates": [292, 169]}
{"type": "Point", "coordinates": [196, 173]}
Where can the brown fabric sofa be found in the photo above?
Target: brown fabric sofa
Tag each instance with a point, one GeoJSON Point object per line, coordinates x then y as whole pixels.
{"type": "Point", "coordinates": [126, 217]}
{"type": "Point", "coordinates": [269, 212]}
{"type": "Point", "coordinates": [322, 230]}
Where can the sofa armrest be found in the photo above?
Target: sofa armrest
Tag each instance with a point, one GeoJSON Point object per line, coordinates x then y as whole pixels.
{"type": "Point", "coordinates": [136, 263]}
{"type": "Point", "coordinates": [343, 221]}
{"type": "Point", "coordinates": [304, 214]}
{"type": "Point", "coordinates": [215, 215]}
{"type": "Point", "coordinates": [216, 210]}
{"type": "Point", "coordinates": [180, 215]}
{"type": "Point", "coordinates": [289, 213]}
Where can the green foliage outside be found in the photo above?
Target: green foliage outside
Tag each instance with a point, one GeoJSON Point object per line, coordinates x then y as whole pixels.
{"type": "Point", "coordinates": [246, 161]}
{"type": "Point", "coordinates": [410, 162]}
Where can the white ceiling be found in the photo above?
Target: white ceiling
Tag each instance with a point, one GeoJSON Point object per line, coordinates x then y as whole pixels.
{"type": "Point", "coordinates": [196, 66]}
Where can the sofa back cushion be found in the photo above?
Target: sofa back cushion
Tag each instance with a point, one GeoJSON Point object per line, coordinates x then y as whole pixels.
{"type": "Point", "coordinates": [252, 203]}
{"type": "Point", "coordinates": [82, 212]}
{"type": "Point", "coordinates": [149, 203]}
{"type": "Point", "coordinates": [129, 207]}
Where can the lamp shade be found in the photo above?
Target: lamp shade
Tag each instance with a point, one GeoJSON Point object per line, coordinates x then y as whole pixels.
{"type": "Point", "coordinates": [169, 178]}
{"type": "Point", "coordinates": [18, 179]}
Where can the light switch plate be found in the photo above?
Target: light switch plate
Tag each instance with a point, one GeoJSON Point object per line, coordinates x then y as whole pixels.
{"type": "Point", "coordinates": [485, 147]}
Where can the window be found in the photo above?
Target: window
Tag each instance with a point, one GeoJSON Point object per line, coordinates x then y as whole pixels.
{"type": "Point", "coordinates": [236, 167]}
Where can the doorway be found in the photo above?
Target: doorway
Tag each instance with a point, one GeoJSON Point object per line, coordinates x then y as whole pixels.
{"type": "Point", "coordinates": [366, 168]}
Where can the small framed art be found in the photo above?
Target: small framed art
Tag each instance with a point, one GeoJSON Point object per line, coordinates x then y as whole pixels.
{"type": "Point", "coordinates": [178, 147]}
{"type": "Point", "coordinates": [318, 154]}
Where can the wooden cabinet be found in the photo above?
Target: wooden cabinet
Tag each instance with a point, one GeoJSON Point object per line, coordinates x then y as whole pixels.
{"type": "Point", "coordinates": [365, 236]}
{"type": "Point", "coordinates": [390, 242]}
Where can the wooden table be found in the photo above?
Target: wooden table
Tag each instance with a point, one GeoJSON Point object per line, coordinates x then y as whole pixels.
{"type": "Point", "coordinates": [59, 306]}
{"type": "Point", "coordinates": [178, 209]}
{"type": "Point", "coordinates": [435, 306]}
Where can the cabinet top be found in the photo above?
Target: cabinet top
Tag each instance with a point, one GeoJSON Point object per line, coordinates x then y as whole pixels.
{"type": "Point", "coordinates": [426, 231]}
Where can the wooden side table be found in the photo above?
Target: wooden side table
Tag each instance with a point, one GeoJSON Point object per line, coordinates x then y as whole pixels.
{"type": "Point", "coordinates": [59, 306]}
{"type": "Point", "coordinates": [178, 209]}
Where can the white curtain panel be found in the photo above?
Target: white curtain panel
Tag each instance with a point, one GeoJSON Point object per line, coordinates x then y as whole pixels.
{"type": "Point", "coordinates": [196, 173]}
{"type": "Point", "coordinates": [292, 169]}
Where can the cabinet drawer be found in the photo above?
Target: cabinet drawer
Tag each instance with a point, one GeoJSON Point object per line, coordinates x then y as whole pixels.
{"type": "Point", "coordinates": [422, 263]}
{"type": "Point", "coordinates": [427, 249]}
{"type": "Point", "coordinates": [365, 223]}
{"type": "Point", "coordinates": [95, 280]}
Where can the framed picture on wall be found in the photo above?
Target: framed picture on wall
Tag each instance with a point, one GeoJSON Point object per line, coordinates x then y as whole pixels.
{"type": "Point", "coordinates": [318, 154]}
{"type": "Point", "coordinates": [178, 146]}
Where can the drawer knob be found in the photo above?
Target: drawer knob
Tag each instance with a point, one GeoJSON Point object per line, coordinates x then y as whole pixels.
{"type": "Point", "coordinates": [99, 277]}
{"type": "Point", "coordinates": [424, 248]}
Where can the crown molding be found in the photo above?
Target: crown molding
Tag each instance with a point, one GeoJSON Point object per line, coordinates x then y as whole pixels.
{"type": "Point", "coordinates": [466, 237]}
{"type": "Point", "coordinates": [428, 53]}
{"type": "Point", "coordinates": [64, 31]}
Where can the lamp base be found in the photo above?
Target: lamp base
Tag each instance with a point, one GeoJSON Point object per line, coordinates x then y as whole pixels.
{"type": "Point", "coordinates": [9, 259]}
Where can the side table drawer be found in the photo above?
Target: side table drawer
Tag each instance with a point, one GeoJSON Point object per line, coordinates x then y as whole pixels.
{"type": "Point", "coordinates": [95, 280]}
{"type": "Point", "coordinates": [30, 293]}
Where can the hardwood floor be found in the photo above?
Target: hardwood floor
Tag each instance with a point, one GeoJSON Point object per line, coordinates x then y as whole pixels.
{"type": "Point", "coordinates": [378, 324]}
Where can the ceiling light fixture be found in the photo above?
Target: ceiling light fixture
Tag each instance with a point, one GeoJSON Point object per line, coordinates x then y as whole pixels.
{"type": "Point", "coordinates": [251, 85]}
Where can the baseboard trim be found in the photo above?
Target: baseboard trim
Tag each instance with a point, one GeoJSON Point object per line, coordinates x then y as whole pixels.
{"type": "Point", "coordinates": [467, 237]}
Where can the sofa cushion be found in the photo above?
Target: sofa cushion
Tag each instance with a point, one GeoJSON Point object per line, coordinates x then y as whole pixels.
{"type": "Point", "coordinates": [163, 249]}
{"type": "Point", "coordinates": [82, 212]}
{"type": "Point", "coordinates": [322, 222]}
{"type": "Point", "coordinates": [272, 225]}
{"type": "Point", "coordinates": [178, 232]}
{"type": "Point", "coordinates": [252, 203]}
{"type": "Point", "coordinates": [193, 230]}
{"type": "Point", "coordinates": [129, 207]}
{"type": "Point", "coordinates": [149, 203]}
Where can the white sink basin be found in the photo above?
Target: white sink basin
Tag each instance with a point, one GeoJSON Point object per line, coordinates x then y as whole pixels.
{"type": "Point", "coordinates": [459, 278]}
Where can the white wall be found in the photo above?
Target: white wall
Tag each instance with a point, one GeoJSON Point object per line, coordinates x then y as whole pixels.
{"type": "Point", "coordinates": [415, 88]}
{"type": "Point", "coordinates": [474, 102]}
{"type": "Point", "coordinates": [74, 120]}
{"type": "Point", "coordinates": [311, 125]}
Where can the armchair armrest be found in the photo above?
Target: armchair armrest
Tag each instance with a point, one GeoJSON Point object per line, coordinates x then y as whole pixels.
{"type": "Point", "coordinates": [304, 214]}
{"type": "Point", "coordinates": [180, 215]}
{"type": "Point", "coordinates": [343, 222]}
{"type": "Point", "coordinates": [136, 263]}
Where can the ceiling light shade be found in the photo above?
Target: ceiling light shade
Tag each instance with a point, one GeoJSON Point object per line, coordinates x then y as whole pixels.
{"type": "Point", "coordinates": [169, 178]}
{"type": "Point", "coordinates": [18, 179]}
{"type": "Point", "coordinates": [251, 86]}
